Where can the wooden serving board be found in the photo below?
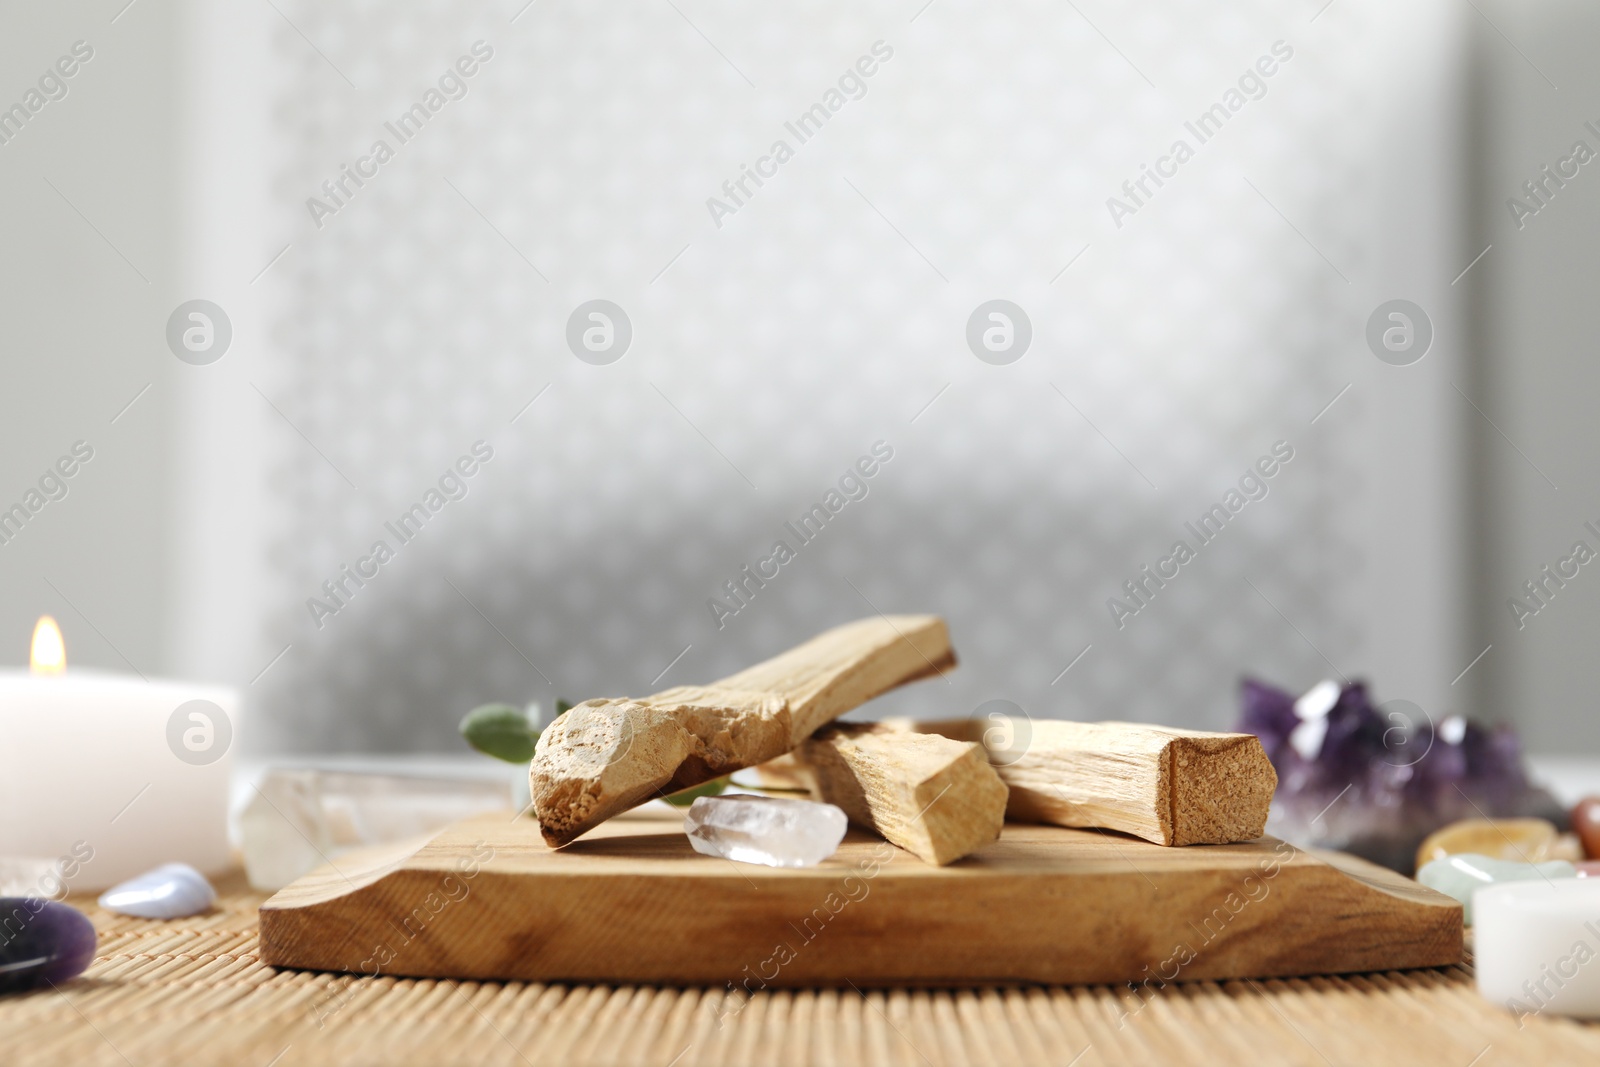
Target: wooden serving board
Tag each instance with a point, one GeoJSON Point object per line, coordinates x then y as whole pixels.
{"type": "Point", "coordinates": [633, 902]}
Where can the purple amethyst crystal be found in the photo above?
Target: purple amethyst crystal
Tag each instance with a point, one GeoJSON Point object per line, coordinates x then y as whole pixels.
{"type": "Point", "coordinates": [1376, 780]}
{"type": "Point", "coordinates": [1267, 712]}
{"type": "Point", "coordinates": [42, 942]}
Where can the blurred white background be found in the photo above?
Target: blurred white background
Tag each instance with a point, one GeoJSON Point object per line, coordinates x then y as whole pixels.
{"type": "Point", "coordinates": [768, 353]}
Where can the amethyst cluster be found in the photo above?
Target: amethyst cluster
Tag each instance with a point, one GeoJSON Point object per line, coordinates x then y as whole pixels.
{"type": "Point", "coordinates": [1375, 780]}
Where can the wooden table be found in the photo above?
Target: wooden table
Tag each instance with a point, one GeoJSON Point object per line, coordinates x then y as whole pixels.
{"type": "Point", "coordinates": [192, 992]}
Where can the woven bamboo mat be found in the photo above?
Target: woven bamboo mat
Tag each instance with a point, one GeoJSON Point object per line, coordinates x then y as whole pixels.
{"type": "Point", "coordinates": [192, 992]}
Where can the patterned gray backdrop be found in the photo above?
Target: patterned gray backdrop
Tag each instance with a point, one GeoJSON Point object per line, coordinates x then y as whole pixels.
{"type": "Point", "coordinates": [776, 338]}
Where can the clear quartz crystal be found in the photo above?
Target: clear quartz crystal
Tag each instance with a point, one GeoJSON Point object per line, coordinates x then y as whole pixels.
{"type": "Point", "coordinates": [299, 819]}
{"type": "Point", "coordinates": [25, 876]}
{"type": "Point", "coordinates": [773, 831]}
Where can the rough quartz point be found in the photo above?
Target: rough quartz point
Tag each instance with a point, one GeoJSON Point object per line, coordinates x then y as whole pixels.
{"type": "Point", "coordinates": [1462, 875]}
{"type": "Point", "coordinates": [170, 891]}
{"type": "Point", "coordinates": [26, 876]}
{"type": "Point", "coordinates": [42, 942]}
{"type": "Point", "coordinates": [299, 819]}
{"type": "Point", "coordinates": [1376, 780]}
{"type": "Point", "coordinates": [773, 831]}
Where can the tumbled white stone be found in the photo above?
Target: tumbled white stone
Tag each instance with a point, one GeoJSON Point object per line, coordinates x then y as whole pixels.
{"type": "Point", "coordinates": [170, 891]}
{"type": "Point", "coordinates": [773, 831]}
{"type": "Point", "coordinates": [1536, 947]}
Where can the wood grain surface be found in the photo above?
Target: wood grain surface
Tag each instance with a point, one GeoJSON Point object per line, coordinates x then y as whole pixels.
{"type": "Point", "coordinates": [1161, 783]}
{"type": "Point", "coordinates": [632, 902]}
{"type": "Point", "coordinates": [935, 797]}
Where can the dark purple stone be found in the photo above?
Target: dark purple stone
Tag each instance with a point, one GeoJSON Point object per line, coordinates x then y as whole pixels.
{"type": "Point", "coordinates": [1378, 784]}
{"type": "Point", "coordinates": [42, 942]}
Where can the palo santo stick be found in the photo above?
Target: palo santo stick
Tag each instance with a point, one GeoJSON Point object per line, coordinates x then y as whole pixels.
{"type": "Point", "coordinates": [932, 796]}
{"type": "Point", "coordinates": [1170, 786]}
{"type": "Point", "coordinates": [605, 756]}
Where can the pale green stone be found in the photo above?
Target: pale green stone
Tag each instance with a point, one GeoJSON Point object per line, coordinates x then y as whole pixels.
{"type": "Point", "coordinates": [1461, 875]}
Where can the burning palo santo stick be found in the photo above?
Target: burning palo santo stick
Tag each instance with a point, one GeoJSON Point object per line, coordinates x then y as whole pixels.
{"type": "Point", "coordinates": [606, 756]}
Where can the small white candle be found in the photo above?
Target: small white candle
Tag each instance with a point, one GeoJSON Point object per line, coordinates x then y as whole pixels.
{"type": "Point", "coordinates": [110, 773]}
{"type": "Point", "coordinates": [1537, 946]}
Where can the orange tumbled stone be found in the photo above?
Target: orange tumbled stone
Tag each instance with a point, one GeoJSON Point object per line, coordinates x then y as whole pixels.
{"type": "Point", "coordinates": [1586, 824]}
{"type": "Point", "coordinates": [1526, 840]}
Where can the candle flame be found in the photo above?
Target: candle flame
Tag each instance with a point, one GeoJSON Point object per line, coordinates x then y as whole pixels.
{"type": "Point", "coordinates": [49, 654]}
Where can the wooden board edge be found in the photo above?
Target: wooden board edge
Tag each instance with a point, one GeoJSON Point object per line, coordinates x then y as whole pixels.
{"type": "Point", "coordinates": [351, 870]}
{"type": "Point", "coordinates": [1406, 926]}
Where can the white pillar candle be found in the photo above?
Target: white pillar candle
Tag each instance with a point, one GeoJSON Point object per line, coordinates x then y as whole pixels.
{"type": "Point", "coordinates": [111, 774]}
{"type": "Point", "coordinates": [1537, 946]}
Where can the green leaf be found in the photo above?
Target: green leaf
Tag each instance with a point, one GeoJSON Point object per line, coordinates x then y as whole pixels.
{"type": "Point", "coordinates": [562, 707]}
{"type": "Point", "coordinates": [501, 731]}
{"type": "Point", "coordinates": [705, 789]}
